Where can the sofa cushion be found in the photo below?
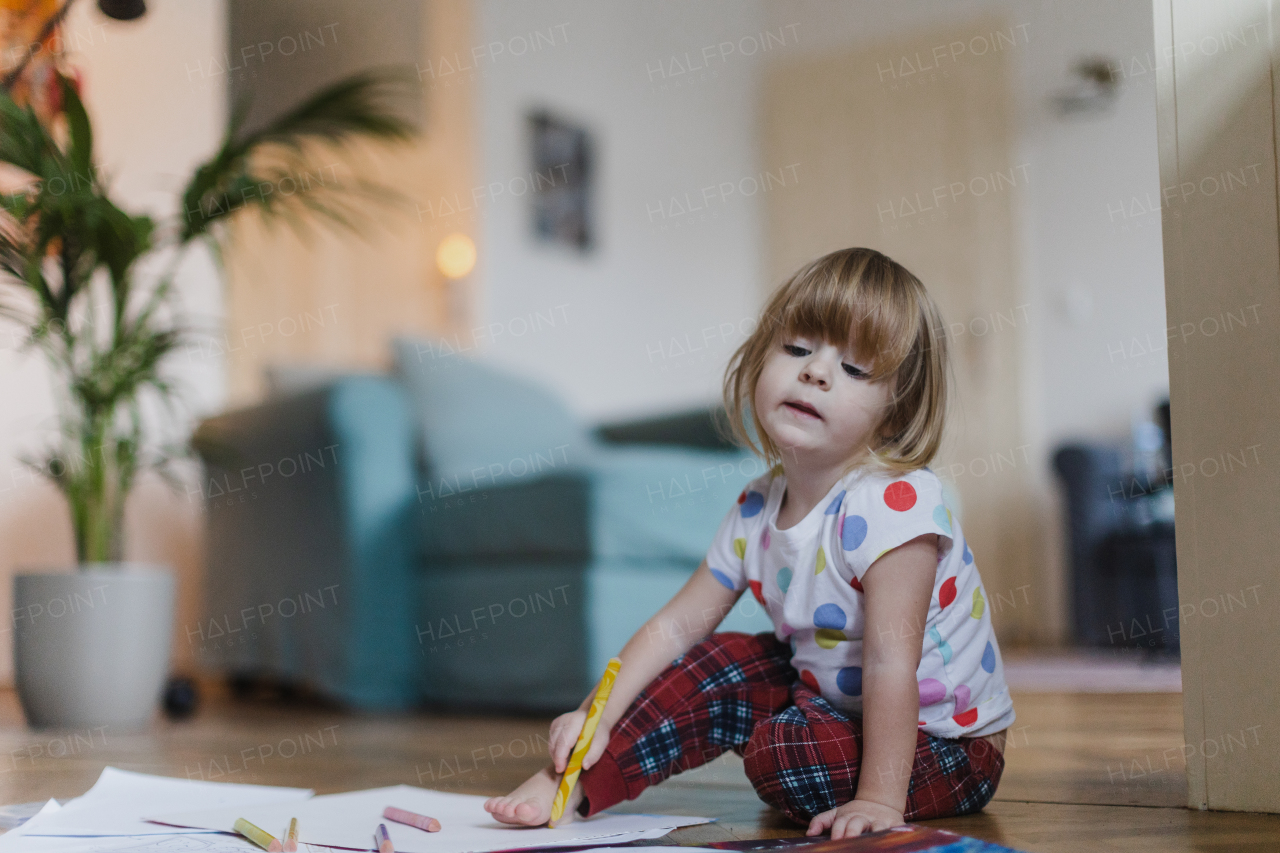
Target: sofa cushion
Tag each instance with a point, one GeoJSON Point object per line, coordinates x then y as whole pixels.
{"type": "Point", "coordinates": [663, 503]}
{"type": "Point", "coordinates": [481, 426]}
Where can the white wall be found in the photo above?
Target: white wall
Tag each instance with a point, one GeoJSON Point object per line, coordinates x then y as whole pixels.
{"type": "Point", "coordinates": [1094, 267]}
{"type": "Point", "coordinates": [630, 314]}
{"type": "Point", "coordinates": [154, 119]}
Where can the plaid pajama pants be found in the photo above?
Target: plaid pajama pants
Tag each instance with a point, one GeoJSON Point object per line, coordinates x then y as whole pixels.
{"type": "Point", "coordinates": [738, 691]}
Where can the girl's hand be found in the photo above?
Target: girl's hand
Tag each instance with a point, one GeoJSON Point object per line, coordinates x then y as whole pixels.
{"type": "Point", "coordinates": [564, 737]}
{"type": "Point", "coordinates": [854, 818]}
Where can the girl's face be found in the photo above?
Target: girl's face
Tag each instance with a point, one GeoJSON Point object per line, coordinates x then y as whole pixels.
{"type": "Point", "coordinates": [817, 403]}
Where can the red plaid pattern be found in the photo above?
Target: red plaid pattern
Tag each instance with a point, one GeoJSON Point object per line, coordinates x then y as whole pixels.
{"type": "Point", "coordinates": [739, 691]}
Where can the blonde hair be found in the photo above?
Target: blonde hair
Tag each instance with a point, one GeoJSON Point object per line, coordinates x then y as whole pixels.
{"type": "Point", "coordinates": [882, 314]}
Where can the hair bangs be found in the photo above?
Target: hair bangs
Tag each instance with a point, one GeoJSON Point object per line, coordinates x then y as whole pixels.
{"type": "Point", "coordinates": [855, 303]}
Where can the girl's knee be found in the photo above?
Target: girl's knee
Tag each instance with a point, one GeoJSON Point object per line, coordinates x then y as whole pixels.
{"type": "Point", "coordinates": [770, 761]}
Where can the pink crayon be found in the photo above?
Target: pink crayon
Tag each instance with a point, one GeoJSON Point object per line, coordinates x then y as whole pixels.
{"type": "Point", "coordinates": [427, 824]}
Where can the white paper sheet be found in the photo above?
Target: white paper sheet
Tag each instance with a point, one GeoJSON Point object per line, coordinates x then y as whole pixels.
{"type": "Point", "coordinates": [11, 839]}
{"type": "Point", "coordinates": [118, 801]}
{"type": "Point", "coordinates": [206, 842]}
{"type": "Point", "coordinates": [217, 842]}
{"type": "Point", "coordinates": [349, 820]}
{"type": "Point", "coordinates": [202, 842]}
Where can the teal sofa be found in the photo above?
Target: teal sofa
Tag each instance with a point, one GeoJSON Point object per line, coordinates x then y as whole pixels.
{"type": "Point", "coordinates": [448, 535]}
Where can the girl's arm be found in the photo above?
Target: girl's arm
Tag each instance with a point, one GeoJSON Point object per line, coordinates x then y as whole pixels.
{"type": "Point", "coordinates": [897, 589]}
{"type": "Point", "coordinates": [692, 613]}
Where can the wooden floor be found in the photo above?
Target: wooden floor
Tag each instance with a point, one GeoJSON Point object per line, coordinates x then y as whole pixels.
{"type": "Point", "coordinates": [1083, 772]}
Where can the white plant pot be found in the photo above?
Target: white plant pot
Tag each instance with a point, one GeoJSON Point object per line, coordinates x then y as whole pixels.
{"type": "Point", "coordinates": [91, 647]}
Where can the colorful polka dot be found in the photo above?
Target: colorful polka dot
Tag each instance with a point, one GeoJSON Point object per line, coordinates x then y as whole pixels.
{"type": "Point", "coordinates": [810, 680]}
{"type": "Point", "coordinates": [740, 547]}
{"type": "Point", "coordinates": [830, 616]}
{"type": "Point", "coordinates": [752, 502]}
{"type": "Point", "coordinates": [834, 506]}
{"type": "Point", "coordinates": [979, 603]}
{"type": "Point", "coordinates": [724, 579]}
{"type": "Point", "coordinates": [900, 496]}
{"type": "Point", "coordinates": [962, 697]}
{"type": "Point", "coordinates": [947, 592]}
{"type": "Point", "coordinates": [944, 648]}
{"type": "Point", "coordinates": [853, 531]}
{"type": "Point", "coordinates": [968, 718]}
{"type": "Point", "coordinates": [968, 555]}
{"type": "Point", "coordinates": [820, 562]}
{"type": "Point", "coordinates": [849, 680]}
{"type": "Point", "coordinates": [757, 590]}
{"type": "Point", "coordinates": [856, 584]}
{"type": "Point", "coordinates": [828, 637]}
{"type": "Point", "coordinates": [784, 579]}
{"type": "Point", "coordinates": [776, 470]}
{"type": "Point", "coordinates": [989, 657]}
{"type": "Point", "coordinates": [932, 691]}
{"type": "Point", "coordinates": [942, 518]}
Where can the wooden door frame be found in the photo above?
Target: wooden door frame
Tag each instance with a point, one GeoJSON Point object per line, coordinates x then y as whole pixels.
{"type": "Point", "coordinates": [1216, 118]}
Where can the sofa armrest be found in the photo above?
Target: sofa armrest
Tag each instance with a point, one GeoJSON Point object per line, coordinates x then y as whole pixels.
{"type": "Point", "coordinates": [703, 428]}
{"type": "Point", "coordinates": [312, 524]}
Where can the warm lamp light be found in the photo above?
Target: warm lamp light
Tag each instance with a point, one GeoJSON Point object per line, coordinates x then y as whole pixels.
{"type": "Point", "coordinates": [456, 255]}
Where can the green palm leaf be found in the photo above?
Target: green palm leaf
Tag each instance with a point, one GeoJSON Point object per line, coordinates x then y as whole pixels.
{"type": "Point", "coordinates": [349, 109]}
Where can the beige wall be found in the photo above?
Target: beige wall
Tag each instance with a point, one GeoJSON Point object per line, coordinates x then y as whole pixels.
{"type": "Point", "coordinates": [1219, 114]}
{"type": "Point", "coordinates": [335, 298]}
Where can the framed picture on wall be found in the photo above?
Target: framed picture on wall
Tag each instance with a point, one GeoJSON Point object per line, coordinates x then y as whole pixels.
{"type": "Point", "coordinates": [562, 177]}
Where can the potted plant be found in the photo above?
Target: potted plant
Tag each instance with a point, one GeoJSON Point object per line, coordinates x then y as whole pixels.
{"type": "Point", "coordinates": [92, 647]}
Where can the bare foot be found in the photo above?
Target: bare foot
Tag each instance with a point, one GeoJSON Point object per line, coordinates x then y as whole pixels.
{"type": "Point", "coordinates": [530, 804]}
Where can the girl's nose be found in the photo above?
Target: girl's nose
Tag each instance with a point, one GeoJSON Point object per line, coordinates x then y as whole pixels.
{"type": "Point", "coordinates": [815, 372]}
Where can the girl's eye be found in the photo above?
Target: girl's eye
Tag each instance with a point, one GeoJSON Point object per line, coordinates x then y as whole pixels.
{"type": "Point", "coordinates": [799, 352]}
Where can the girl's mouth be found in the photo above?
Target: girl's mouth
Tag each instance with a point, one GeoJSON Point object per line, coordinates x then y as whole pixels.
{"type": "Point", "coordinates": [803, 408]}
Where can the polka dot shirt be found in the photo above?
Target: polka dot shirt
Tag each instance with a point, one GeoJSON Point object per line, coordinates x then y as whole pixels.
{"type": "Point", "coordinates": [809, 579]}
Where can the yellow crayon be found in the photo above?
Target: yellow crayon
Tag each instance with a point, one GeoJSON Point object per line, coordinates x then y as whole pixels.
{"type": "Point", "coordinates": [260, 837]}
{"type": "Point", "coordinates": [584, 739]}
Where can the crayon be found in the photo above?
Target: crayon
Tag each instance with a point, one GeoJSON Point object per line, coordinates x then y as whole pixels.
{"type": "Point", "coordinates": [291, 840]}
{"type": "Point", "coordinates": [427, 824]}
{"type": "Point", "coordinates": [584, 739]}
{"type": "Point", "coordinates": [260, 837]}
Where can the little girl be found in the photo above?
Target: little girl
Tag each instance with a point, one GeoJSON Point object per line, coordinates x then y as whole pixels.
{"type": "Point", "coordinates": [880, 695]}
